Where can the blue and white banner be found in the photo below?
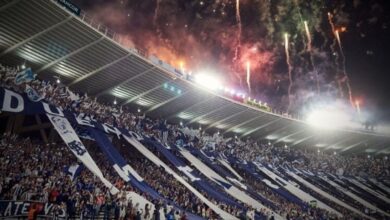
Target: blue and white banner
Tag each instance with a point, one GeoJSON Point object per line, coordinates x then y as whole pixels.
{"type": "Point", "coordinates": [196, 180]}
{"type": "Point", "coordinates": [10, 209]}
{"type": "Point", "coordinates": [24, 76]}
{"type": "Point", "coordinates": [124, 170]}
{"type": "Point", "coordinates": [69, 136]}
{"type": "Point", "coordinates": [193, 156]}
{"type": "Point", "coordinates": [153, 158]}
{"type": "Point", "coordinates": [32, 94]}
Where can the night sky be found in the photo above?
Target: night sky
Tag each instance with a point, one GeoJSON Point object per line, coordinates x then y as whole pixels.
{"type": "Point", "coordinates": [209, 35]}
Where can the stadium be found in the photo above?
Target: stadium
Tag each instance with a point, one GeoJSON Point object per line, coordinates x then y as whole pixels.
{"type": "Point", "coordinates": [94, 129]}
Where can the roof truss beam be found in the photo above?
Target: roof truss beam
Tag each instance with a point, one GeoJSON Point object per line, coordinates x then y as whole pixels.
{"type": "Point", "coordinates": [191, 106]}
{"type": "Point", "coordinates": [261, 127]}
{"type": "Point", "coordinates": [225, 119]}
{"type": "Point", "coordinates": [21, 43]}
{"type": "Point", "coordinates": [54, 62]}
{"type": "Point", "coordinates": [86, 76]}
{"type": "Point", "coordinates": [10, 4]}
{"type": "Point", "coordinates": [242, 123]}
{"type": "Point", "coordinates": [143, 94]}
{"type": "Point", "coordinates": [209, 113]}
{"type": "Point", "coordinates": [126, 81]}
{"type": "Point", "coordinates": [290, 135]}
{"type": "Point", "coordinates": [165, 102]}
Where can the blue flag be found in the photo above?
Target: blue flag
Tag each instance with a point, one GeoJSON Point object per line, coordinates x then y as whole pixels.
{"type": "Point", "coordinates": [23, 76]}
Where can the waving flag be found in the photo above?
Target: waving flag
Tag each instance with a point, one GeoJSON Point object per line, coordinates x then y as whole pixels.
{"type": "Point", "coordinates": [25, 75]}
{"type": "Point", "coordinates": [74, 171]}
{"type": "Point", "coordinates": [32, 94]}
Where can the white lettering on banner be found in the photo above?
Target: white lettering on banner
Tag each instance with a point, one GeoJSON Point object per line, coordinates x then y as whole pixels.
{"type": "Point", "coordinates": [60, 123]}
{"type": "Point", "coordinates": [8, 210]}
{"type": "Point", "coordinates": [125, 171]}
{"type": "Point", "coordinates": [48, 110]}
{"type": "Point", "coordinates": [8, 95]}
{"type": "Point", "coordinates": [136, 136]}
{"type": "Point", "coordinates": [25, 208]}
{"type": "Point", "coordinates": [17, 207]}
{"type": "Point", "coordinates": [187, 171]}
{"type": "Point", "coordinates": [47, 208]}
{"type": "Point", "coordinates": [121, 173]}
{"type": "Point", "coordinates": [108, 129]}
{"type": "Point", "coordinates": [20, 209]}
{"type": "Point", "coordinates": [85, 122]}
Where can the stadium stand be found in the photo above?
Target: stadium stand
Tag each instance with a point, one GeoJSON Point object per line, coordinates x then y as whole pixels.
{"type": "Point", "coordinates": [176, 172]}
{"type": "Point", "coordinates": [66, 155]}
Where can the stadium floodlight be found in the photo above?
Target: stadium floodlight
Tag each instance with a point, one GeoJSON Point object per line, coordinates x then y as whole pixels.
{"type": "Point", "coordinates": [328, 118]}
{"type": "Point", "coordinates": [208, 81]}
{"type": "Point", "coordinates": [58, 81]}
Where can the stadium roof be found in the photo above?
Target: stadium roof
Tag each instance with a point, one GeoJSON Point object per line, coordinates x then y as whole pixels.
{"type": "Point", "coordinates": [88, 58]}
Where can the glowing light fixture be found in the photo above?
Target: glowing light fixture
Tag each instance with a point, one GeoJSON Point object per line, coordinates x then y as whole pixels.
{"type": "Point", "coordinates": [328, 118]}
{"type": "Point", "coordinates": [208, 81]}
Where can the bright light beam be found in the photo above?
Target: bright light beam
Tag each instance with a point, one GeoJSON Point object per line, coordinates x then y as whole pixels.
{"type": "Point", "coordinates": [248, 76]}
{"type": "Point", "coordinates": [308, 35]}
{"type": "Point", "coordinates": [309, 49]}
{"type": "Point", "coordinates": [208, 81]}
{"type": "Point", "coordinates": [286, 42]}
{"type": "Point", "coordinates": [239, 30]}
{"type": "Point", "coordinates": [328, 118]}
{"type": "Point", "coordinates": [346, 78]}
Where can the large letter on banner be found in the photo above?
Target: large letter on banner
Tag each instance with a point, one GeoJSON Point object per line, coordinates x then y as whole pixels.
{"type": "Point", "coordinates": [71, 139]}
{"type": "Point", "coordinates": [7, 102]}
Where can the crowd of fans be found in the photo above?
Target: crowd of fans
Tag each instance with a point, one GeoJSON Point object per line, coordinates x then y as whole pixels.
{"type": "Point", "coordinates": [40, 176]}
{"type": "Point", "coordinates": [33, 171]}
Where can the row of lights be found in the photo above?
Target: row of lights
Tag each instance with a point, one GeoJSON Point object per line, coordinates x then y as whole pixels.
{"type": "Point", "coordinates": [209, 82]}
